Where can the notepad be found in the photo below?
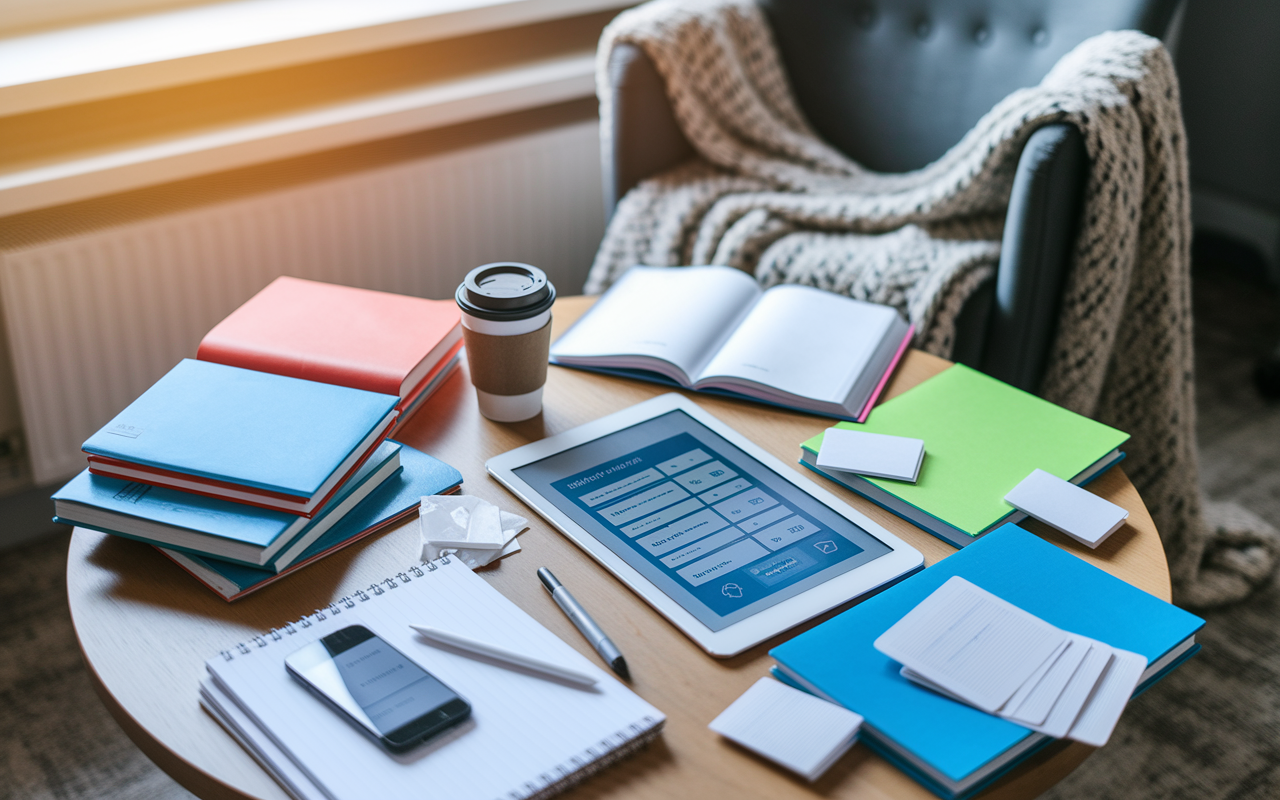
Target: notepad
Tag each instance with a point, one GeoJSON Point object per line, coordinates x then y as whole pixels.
{"type": "Point", "coordinates": [789, 727]}
{"type": "Point", "coordinates": [527, 735]}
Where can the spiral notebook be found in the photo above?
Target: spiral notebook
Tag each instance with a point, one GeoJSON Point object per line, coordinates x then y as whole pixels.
{"type": "Point", "coordinates": [528, 737]}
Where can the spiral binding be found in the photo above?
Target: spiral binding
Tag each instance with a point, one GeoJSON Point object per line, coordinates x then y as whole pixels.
{"type": "Point", "coordinates": [621, 745]}
{"type": "Point", "coordinates": [335, 608]}
{"type": "Point", "coordinates": [580, 767]}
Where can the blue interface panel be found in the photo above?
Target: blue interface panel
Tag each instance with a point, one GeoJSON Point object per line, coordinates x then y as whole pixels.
{"type": "Point", "coordinates": [717, 531]}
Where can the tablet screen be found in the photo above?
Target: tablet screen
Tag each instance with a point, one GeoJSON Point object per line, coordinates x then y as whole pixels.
{"type": "Point", "coordinates": [713, 528]}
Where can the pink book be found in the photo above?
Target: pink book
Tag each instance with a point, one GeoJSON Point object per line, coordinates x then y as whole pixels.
{"type": "Point", "coordinates": [376, 341]}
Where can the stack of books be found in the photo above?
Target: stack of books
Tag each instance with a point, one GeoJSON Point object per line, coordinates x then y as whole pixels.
{"type": "Point", "coordinates": [244, 475]}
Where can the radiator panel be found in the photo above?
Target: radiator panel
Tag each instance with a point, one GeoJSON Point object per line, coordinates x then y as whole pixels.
{"type": "Point", "coordinates": [95, 319]}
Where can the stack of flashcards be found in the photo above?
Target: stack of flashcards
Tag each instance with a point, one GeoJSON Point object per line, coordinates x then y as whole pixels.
{"type": "Point", "coordinates": [789, 727]}
{"type": "Point", "coordinates": [1076, 512]}
{"type": "Point", "coordinates": [966, 643]}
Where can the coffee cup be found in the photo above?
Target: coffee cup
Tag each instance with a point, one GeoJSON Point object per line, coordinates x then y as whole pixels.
{"type": "Point", "coordinates": [506, 323]}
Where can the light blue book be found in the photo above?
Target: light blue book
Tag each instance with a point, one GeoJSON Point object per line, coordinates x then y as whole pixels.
{"type": "Point", "coordinates": [243, 435]}
{"type": "Point", "coordinates": [951, 748]}
{"type": "Point", "coordinates": [396, 499]}
{"type": "Point", "coordinates": [193, 523]}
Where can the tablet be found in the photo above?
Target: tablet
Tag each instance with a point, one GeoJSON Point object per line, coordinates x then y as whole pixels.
{"type": "Point", "coordinates": [720, 537]}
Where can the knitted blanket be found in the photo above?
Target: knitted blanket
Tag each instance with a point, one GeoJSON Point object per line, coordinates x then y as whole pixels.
{"type": "Point", "coordinates": [768, 196]}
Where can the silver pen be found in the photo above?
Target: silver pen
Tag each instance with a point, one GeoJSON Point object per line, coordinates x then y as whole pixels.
{"type": "Point", "coordinates": [585, 624]}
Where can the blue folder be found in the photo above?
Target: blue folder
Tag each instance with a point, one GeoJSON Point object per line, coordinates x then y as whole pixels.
{"type": "Point", "coordinates": [953, 749]}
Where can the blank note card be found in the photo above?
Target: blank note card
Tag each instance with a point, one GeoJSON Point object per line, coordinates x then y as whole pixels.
{"type": "Point", "coordinates": [878, 455]}
{"type": "Point", "coordinates": [971, 644]}
{"type": "Point", "coordinates": [1061, 504]}
{"type": "Point", "coordinates": [796, 730]}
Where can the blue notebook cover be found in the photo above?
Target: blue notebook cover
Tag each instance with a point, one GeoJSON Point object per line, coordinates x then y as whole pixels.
{"type": "Point", "coordinates": [420, 475]}
{"type": "Point", "coordinates": [239, 426]}
{"type": "Point", "coordinates": [196, 523]}
{"type": "Point", "coordinates": [838, 660]}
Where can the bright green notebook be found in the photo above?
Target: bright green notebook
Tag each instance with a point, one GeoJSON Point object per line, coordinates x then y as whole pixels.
{"type": "Point", "coordinates": [981, 438]}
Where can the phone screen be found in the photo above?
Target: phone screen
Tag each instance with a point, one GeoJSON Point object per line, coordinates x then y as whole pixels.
{"type": "Point", "coordinates": [377, 687]}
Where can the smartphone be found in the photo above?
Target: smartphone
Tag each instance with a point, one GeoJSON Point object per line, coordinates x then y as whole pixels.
{"type": "Point", "coordinates": [377, 688]}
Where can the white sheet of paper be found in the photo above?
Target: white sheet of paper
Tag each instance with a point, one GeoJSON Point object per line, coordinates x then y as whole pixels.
{"type": "Point", "coordinates": [801, 732]}
{"type": "Point", "coordinates": [445, 526]}
{"type": "Point", "coordinates": [971, 643]}
{"type": "Point", "coordinates": [1102, 712]}
{"type": "Point", "coordinates": [1061, 504]}
{"type": "Point", "coordinates": [461, 521]}
{"type": "Point", "coordinates": [876, 454]}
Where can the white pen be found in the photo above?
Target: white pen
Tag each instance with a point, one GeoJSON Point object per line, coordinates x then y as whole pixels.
{"type": "Point", "coordinates": [437, 636]}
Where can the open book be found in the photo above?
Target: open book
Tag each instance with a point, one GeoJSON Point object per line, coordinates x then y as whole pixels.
{"type": "Point", "coordinates": [714, 329]}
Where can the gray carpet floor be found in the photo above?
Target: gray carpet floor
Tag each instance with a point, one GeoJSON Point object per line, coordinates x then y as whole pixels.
{"type": "Point", "coordinates": [1211, 730]}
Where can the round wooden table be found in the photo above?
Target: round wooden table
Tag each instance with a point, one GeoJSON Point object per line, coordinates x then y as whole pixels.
{"type": "Point", "coordinates": [146, 627]}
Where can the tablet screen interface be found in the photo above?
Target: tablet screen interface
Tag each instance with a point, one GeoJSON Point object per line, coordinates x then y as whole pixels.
{"type": "Point", "coordinates": [713, 528]}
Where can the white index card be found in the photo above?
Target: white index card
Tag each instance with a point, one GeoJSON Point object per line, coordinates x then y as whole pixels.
{"type": "Point", "coordinates": [1032, 706]}
{"type": "Point", "coordinates": [1061, 504]}
{"type": "Point", "coordinates": [971, 643]}
{"type": "Point", "coordinates": [1076, 694]}
{"type": "Point", "coordinates": [1115, 687]}
{"type": "Point", "coordinates": [801, 732]}
{"type": "Point", "coordinates": [875, 454]}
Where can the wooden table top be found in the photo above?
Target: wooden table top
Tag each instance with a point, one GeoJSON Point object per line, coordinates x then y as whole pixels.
{"type": "Point", "coordinates": [146, 627]}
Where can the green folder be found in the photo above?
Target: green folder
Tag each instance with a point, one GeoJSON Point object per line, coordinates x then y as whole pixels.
{"type": "Point", "coordinates": [981, 438]}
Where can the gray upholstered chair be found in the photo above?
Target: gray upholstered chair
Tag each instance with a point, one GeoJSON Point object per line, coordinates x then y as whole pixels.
{"type": "Point", "coordinates": [894, 84]}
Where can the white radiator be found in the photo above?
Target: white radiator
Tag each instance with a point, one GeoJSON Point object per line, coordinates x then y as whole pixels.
{"type": "Point", "coordinates": [95, 319]}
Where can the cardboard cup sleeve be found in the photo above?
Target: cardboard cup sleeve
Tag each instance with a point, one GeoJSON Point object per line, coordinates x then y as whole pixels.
{"type": "Point", "coordinates": [508, 365]}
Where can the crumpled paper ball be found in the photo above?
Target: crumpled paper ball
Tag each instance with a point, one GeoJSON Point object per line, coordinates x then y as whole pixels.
{"type": "Point", "coordinates": [473, 530]}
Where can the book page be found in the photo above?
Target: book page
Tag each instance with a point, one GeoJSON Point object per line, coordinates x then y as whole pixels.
{"type": "Point", "coordinates": [676, 315]}
{"type": "Point", "coordinates": [803, 341]}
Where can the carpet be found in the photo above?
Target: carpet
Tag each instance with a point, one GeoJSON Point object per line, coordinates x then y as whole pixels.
{"type": "Point", "coordinates": [1209, 731]}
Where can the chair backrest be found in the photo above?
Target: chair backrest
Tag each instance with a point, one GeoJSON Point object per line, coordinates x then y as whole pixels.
{"type": "Point", "coordinates": [895, 83]}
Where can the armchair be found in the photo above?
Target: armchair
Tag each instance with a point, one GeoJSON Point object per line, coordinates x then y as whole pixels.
{"type": "Point", "coordinates": [893, 84]}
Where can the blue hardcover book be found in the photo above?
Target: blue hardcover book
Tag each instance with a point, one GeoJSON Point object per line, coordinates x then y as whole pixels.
{"type": "Point", "coordinates": [208, 525]}
{"type": "Point", "coordinates": [396, 499]}
{"type": "Point", "coordinates": [952, 749]}
{"type": "Point", "coordinates": [246, 436]}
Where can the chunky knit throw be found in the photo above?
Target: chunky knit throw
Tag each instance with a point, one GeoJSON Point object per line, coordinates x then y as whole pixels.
{"type": "Point", "coordinates": [766, 195]}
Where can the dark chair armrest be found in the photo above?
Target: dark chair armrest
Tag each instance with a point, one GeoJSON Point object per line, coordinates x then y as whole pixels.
{"type": "Point", "coordinates": [646, 139]}
{"type": "Point", "coordinates": [1039, 234]}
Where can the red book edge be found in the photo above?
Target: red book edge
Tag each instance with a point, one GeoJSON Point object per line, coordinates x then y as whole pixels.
{"type": "Point", "coordinates": [413, 396]}
{"type": "Point", "coordinates": [160, 475]}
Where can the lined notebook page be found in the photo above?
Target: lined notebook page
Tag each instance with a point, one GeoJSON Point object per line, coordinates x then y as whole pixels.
{"type": "Point", "coordinates": [525, 732]}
